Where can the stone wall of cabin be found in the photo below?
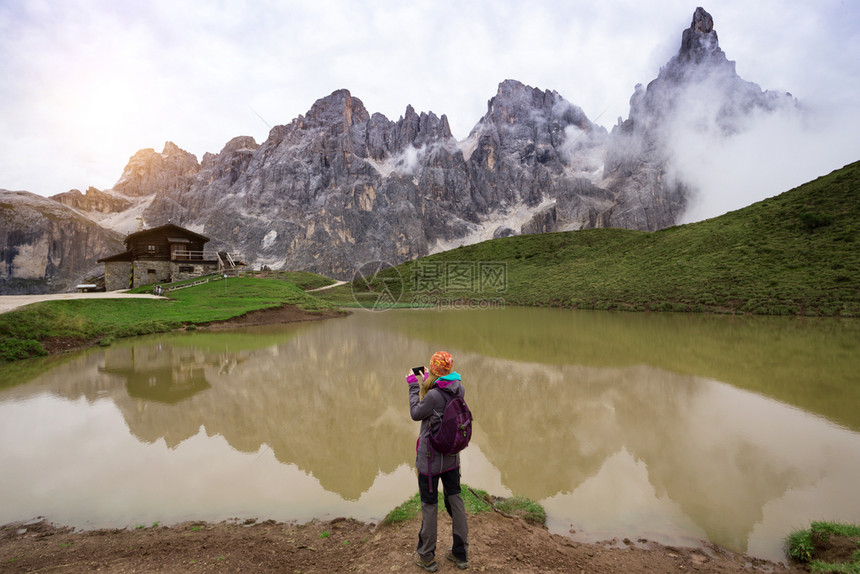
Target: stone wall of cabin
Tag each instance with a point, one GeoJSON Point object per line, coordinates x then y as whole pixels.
{"type": "Point", "coordinates": [182, 270]}
{"type": "Point", "coordinates": [143, 272]}
{"type": "Point", "coordinates": [117, 275]}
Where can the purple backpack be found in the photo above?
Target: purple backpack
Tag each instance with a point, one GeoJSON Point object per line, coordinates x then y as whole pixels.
{"type": "Point", "coordinates": [455, 431]}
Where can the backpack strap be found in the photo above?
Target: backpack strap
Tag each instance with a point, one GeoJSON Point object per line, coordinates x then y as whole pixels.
{"type": "Point", "coordinates": [447, 397]}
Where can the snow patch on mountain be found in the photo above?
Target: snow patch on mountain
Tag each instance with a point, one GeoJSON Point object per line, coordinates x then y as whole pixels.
{"type": "Point", "coordinates": [127, 221]}
{"type": "Point", "coordinates": [513, 218]}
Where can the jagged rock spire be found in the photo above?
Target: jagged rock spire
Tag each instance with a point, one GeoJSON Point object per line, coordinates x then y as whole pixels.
{"type": "Point", "coordinates": [699, 42]}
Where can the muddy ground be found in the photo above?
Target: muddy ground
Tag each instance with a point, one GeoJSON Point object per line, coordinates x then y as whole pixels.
{"type": "Point", "coordinates": [497, 544]}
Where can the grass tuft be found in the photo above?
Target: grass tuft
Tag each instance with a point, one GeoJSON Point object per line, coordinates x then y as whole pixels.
{"type": "Point", "coordinates": [799, 546]}
{"type": "Point", "coordinates": [810, 546]}
{"type": "Point", "coordinates": [409, 509]}
{"type": "Point", "coordinates": [474, 505]}
{"type": "Point", "coordinates": [526, 509]}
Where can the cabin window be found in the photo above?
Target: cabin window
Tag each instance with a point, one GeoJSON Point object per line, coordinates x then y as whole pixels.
{"type": "Point", "coordinates": [151, 249]}
{"type": "Point", "coordinates": [186, 269]}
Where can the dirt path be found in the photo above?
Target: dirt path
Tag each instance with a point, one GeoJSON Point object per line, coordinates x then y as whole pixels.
{"type": "Point", "coordinates": [10, 302]}
{"type": "Point", "coordinates": [335, 284]}
{"type": "Point", "coordinates": [498, 544]}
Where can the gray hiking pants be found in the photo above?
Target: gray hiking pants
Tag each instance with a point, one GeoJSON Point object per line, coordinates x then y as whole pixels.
{"type": "Point", "coordinates": [428, 487]}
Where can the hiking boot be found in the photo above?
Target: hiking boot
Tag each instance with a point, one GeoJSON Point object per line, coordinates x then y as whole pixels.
{"type": "Point", "coordinates": [428, 565]}
{"type": "Point", "coordinates": [461, 564]}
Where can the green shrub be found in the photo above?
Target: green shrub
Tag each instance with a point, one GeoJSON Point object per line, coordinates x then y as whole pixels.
{"type": "Point", "coordinates": [528, 510]}
{"type": "Point", "coordinates": [799, 545]}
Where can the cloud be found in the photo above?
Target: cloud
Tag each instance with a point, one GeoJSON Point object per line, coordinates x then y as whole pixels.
{"type": "Point", "coordinates": [407, 162]}
{"type": "Point", "coordinates": [773, 153]}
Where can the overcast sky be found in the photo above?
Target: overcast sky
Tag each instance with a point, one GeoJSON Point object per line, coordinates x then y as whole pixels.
{"type": "Point", "coordinates": [85, 84]}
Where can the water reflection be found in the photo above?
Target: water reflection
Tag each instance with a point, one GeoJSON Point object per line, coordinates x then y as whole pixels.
{"type": "Point", "coordinates": [568, 411]}
{"type": "Point", "coordinates": [153, 372]}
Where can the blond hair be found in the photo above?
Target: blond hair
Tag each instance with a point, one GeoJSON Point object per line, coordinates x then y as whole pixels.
{"type": "Point", "coordinates": [426, 386]}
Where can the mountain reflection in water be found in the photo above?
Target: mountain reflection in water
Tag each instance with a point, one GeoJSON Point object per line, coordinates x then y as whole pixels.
{"type": "Point", "coordinates": [156, 373]}
{"type": "Point", "coordinates": [614, 446]}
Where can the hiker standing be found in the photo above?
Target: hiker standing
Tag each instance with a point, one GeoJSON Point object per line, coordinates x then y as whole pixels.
{"type": "Point", "coordinates": [426, 404]}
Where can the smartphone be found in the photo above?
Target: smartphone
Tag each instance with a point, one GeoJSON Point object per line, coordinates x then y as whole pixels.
{"type": "Point", "coordinates": [417, 371]}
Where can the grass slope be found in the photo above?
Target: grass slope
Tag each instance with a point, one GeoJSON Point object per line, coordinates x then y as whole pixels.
{"type": "Point", "coordinates": [796, 253]}
{"type": "Point", "coordinates": [304, 280]}
{"type": "Point", "coordinates": [23, 330]}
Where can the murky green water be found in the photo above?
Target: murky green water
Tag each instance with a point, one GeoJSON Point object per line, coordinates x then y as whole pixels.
{"type": "Point", "coordinates": [668, 427]}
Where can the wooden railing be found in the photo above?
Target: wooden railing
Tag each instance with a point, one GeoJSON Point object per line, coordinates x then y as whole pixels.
{"type": "Point", "coordinates": [194, 256]}
{"type": "Point", "coordinates": [165, 287]}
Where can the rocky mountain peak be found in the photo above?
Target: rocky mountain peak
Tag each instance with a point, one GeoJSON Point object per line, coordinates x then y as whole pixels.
{"type": "Point", "coordinates": [171, 148]}
{"type": "Point", "coordinates": [702, 21]}
{"type": "Point", "coordinates": [420, 129]}
{"type": "Point", "coordinates": [514, 99]}
{"type": "Point", "coordinates": [240, 144]}
{"type": "Point", "coordinates": [516, 103]}
{"type": "Point", "coordinates": [92, 201]}
{"type": "Point", "coordinates": [533, 125]}
{"type": "Point", "coordinates": [699, 42]}
{"type": "Point", "coordinates": [697, 94]}
{"type": "Point", "coordinates": [148, 172]}
{"type": "Point", "coordinates": [339, 108]}
{"type": "Point", "coordinates": [231, 161]}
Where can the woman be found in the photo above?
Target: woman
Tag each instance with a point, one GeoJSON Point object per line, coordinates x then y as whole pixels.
{"type": "Point", "coordinates": [427, 402]}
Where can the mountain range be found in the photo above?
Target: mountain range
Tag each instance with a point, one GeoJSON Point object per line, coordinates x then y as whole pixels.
{"type": "Point", "coordinates": [339, 186]}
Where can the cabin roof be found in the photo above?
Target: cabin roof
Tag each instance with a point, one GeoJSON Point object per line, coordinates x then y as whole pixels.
{"type": "Point", "coordinates": [126, 256]}
{"type": "Point", "coordinates": [175, 234]}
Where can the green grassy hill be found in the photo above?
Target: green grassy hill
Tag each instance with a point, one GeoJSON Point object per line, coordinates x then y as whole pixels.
{"type": "Point", "coordinates": [797, 253]}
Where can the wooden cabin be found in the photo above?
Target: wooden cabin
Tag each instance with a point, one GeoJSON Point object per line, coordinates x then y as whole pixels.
{"type": "Point", "coordinates": [161, 255]}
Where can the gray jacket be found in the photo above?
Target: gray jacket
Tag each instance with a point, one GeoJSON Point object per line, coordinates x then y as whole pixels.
{"type": "Point", "coordinates": [429, 461]}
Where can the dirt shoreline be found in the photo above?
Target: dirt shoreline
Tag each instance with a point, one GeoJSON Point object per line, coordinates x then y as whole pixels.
{"type": "Point", "coordinates": [274, 316]}
{"type": "Point", "coordinates": [271, 316]}
{"type": "Point", "coordinates": [497, 544]}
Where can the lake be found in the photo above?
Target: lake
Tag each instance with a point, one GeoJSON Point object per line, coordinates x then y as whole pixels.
{"type": "Point", "coordinates": [670, 427]}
